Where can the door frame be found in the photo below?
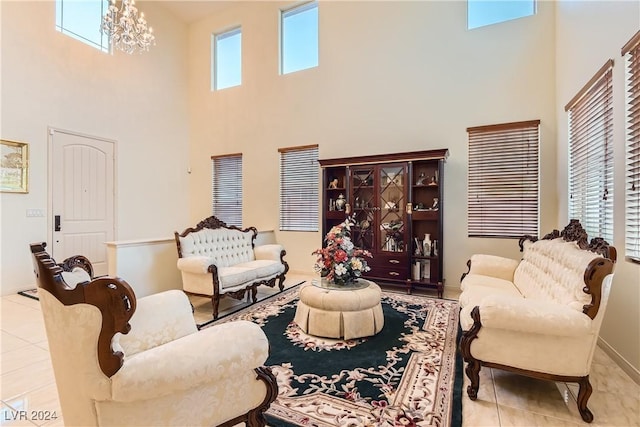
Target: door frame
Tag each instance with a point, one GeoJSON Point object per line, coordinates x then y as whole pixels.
{"type": "Point", "coordinates": [50, 132]}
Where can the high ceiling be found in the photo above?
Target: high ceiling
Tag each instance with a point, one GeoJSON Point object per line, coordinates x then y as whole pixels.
{"type": "Point", "coordinates": [190, 11]}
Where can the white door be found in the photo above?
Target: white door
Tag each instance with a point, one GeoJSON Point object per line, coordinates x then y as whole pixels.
{"type": "Point", "coordinates": [82, 197]}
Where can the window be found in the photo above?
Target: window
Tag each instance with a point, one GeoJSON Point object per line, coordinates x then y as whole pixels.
{"type": "Point", "coordinates": [299, 188]}
{"type": "Point", "coordinates": [487, 12]}
{"type": "Point", "coordinates": [632, 184]}
{"type": "Point", "coordinates": [226, 183]}
{"type": "Point", "coordinates": [227, 59]}
{"type": "Point", "coordinates": [82, 20]}
{"type": "Point", "coordinates": [503, 180]}
{"type": "Point", "coordinates": [591, 155]}
{"type": "Point", "coordinates": [299, 38]}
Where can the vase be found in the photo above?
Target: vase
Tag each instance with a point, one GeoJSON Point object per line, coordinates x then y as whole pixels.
{"type": "Point", "coordinates": [426, 245]}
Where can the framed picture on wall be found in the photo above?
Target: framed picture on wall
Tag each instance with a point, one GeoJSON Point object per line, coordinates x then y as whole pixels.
{"type": "Point", "coordinates": [14, 166]}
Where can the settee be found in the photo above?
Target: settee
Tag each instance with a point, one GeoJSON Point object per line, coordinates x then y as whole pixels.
{"type": "Point", "coordinates": [539, 316]}
{"type": "Point", "coordinates": [122, 361]}
{"type": "Point", "coordinates": [216, 260]}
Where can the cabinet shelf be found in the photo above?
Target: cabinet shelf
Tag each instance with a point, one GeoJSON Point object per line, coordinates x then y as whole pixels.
{"type": "Point", "coordinates": [388, 184]}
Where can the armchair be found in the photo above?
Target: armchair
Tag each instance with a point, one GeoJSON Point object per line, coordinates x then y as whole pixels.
{"type": "Point", "coordinates": [122, 361]}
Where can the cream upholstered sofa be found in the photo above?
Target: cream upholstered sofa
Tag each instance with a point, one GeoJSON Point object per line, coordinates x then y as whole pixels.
{"type": "Point", "coordinates": [539, 316]}
{"type": "Point", "coordinates": [119, 361]}
{"type": "Point", "coordinates": [217, 260]}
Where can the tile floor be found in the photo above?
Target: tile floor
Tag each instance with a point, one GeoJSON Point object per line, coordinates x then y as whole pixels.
{"type": "Point", "coordinates": [504, 399]}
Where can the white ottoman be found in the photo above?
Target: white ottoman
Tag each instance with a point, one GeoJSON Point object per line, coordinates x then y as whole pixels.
{"type": "Point", "coordinates": [340, 312]}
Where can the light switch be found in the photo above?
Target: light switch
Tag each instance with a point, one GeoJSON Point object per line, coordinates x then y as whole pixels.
{"type": "Point", "coordinates": [35, 212]}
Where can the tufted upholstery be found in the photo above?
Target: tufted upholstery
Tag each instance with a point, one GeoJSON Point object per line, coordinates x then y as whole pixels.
{"type": "Point", "coordinates": [217, 261]}
{"type": "Point", "coordinates": [224, 247]}
{"type": "Point", "coordinates": [539, 316]}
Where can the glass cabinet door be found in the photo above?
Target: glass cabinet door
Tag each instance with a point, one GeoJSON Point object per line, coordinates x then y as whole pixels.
{"type": "Point", "coordinates": [391, 203]}
{"type": "Point", "coordinates": [363, 200]}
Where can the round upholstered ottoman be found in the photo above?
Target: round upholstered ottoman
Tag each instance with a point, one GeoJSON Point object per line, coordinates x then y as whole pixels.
{"type": "Point", "coordinates": [340, 312]}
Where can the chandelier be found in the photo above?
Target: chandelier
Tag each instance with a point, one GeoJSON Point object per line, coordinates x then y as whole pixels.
{"type": "Point", "coordinates": [127, 30]}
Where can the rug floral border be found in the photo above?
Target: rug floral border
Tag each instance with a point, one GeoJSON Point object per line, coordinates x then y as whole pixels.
{"type": "Point", "coordinates": [420, 395]}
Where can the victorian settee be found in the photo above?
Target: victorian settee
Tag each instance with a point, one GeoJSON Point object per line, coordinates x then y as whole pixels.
{"type": "Point", "coordinates": [539, 316]}
{"type": "Point", "coordinates": [217, 260]}
{"type": "Point", "coordinates": [120, 361]}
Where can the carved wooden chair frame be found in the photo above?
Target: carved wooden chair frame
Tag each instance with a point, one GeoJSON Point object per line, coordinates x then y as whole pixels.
{"type": "Point", "coordinates": [214, 223]}
{"type": "Point", "coordinates": [594, 274]}
{"type": "Point", "coordinates": [117, 302]}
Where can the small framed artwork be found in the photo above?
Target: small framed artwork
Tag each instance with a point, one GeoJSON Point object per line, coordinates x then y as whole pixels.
{"type": "Point", "coordinates": [14, 166]}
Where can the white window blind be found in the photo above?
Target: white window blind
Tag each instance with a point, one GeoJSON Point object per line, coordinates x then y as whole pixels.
{"type": "Point", "coordinates": [226, 183]}
{"type": "Point", "coordinates": [591, 155]}
{"type": "Point", "coordinates": [632, 184]}
{"type": "Point", "coordinates": [503, 180]}
{"type": "Point", "coordinates": [299, 188]}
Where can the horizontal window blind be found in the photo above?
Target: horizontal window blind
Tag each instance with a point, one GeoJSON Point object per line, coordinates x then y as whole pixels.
{"type": "Point", "coordinates": [299, 189]}
{"type": "Point", "coordinates": [632, 184]}
{"type": "Point", "coordinates": [503, 180]}
{"type": "Point", "coordinates": [591, 155]}
{"type": "Point", "coordinates": [227, 188]}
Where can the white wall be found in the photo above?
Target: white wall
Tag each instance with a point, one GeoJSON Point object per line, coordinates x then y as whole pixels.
{"type": "Point", "coordinates": [140, 101]}
{"type": "Point", "coordinates": [393, 77]}
{"type": "Point", "coordinates": [588, 34]}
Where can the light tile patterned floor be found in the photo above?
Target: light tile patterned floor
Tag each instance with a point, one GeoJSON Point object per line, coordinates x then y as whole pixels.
{"type": "Point", "coordinates": [27, 382]}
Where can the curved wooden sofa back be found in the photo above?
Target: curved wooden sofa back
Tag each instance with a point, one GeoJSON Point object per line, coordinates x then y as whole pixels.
{"type": "Point", "coordinates": [596, 271]}
{"type": "Point", "coordinates": [111, 295]}
{"type": "Point", "coordinates": [212, 223]}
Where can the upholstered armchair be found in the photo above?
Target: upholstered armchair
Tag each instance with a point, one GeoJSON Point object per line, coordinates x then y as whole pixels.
{"type": "Point", "coordinates": [122, 361]}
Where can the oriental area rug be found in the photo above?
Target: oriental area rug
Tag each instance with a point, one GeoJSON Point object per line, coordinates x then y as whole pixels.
{"type": "Point", "coordinates": [405, 375]}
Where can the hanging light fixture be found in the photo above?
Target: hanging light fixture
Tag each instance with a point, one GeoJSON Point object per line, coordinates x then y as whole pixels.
{"type": "Point", "coordinates": [127, 30]}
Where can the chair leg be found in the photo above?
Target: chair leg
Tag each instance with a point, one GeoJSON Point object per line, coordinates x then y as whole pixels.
{"type": "Point", "coordinates": [473, 373]}
{"type": "Point", "coordinates": [583, 396]}
{"type": "Point", "coordinates": [281, 283]}
{"type": "Point", "coordinates": [215, 302]}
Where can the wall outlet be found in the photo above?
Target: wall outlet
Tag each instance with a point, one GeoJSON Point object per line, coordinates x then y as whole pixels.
{"type": "Point", "coordinates": [35, 212]}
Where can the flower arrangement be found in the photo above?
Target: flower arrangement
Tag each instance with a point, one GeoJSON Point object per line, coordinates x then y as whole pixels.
{"type": "Point", "coordinates": [340, 262]}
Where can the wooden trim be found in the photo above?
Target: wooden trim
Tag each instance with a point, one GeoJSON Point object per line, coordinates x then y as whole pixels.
{"type": "Point", "coordinates": [474, 365]}
{"type": "Point", "coordinates": [298, 148]}
{"type": "Point", "coordinates": [222, 156]}
{"type": "Point", "coordinates": [631, 44]}
{"type": "Point", "coordinates": [386, 158]}
{"type": "Point", "coordinates": [111, 295]}
{"type": "Point", "coordinates": [585, 88]}
{"type": "Point", "coordinates": [504, 126]}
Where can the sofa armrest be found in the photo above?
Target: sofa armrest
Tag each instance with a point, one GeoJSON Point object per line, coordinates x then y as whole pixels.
{"type": "Point", "coordinates": [159, 318]}
{"type": "Point", "coordinates": [218, 352]}
{"type": "Point", "coordinates": [532, 316]}
{"type": "Point", "coordinates": [493, 266]}
{"type": "Point", "coordinates": [195, 264]}
{"type": "Point", "coordinates": [271, 252]}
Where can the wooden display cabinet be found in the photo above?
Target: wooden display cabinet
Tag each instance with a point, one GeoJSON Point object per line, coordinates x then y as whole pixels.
{"type": "Point", "coordinates": [391, 198]}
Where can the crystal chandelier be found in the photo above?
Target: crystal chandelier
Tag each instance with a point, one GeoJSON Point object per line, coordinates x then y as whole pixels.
{"type": "Point", "coordinates": [127, 30]}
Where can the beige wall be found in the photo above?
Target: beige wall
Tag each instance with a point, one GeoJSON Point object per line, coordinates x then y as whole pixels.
{"type": "Point", "coordinates": [393, 77]}
{"type": "Point", "coordinates": [140, 101]}
{"type": "Point", "coordinates": [588, 34]}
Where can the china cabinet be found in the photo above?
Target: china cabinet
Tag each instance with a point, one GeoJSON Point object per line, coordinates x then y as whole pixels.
{"type": "Point", "coordinates": [397, 203]}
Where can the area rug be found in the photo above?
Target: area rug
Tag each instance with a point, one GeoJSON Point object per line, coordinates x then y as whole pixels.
{"type": "Point", "coordinates": [404, 375]}
{"type": "Point", "coordinates": [30, 293]}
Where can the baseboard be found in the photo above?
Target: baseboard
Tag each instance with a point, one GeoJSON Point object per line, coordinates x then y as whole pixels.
{"type": "Point", "coordinates": [623, 363]}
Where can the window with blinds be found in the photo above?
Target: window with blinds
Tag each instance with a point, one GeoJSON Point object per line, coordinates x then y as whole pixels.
{"type": "Point", "coordinates": [226, 184]}
{"type": "Point", "coordinates": [591, 155]}
{"type": "Point", "coordinates": [502, 197]}
{"type": "Point", "coordinates": [632, 184]}
{"type": "Point", "coordinates": [299, 193]}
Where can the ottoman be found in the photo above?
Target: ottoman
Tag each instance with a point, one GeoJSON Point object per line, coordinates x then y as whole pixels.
{"type": "Point", "coordinates": [340, 312]}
